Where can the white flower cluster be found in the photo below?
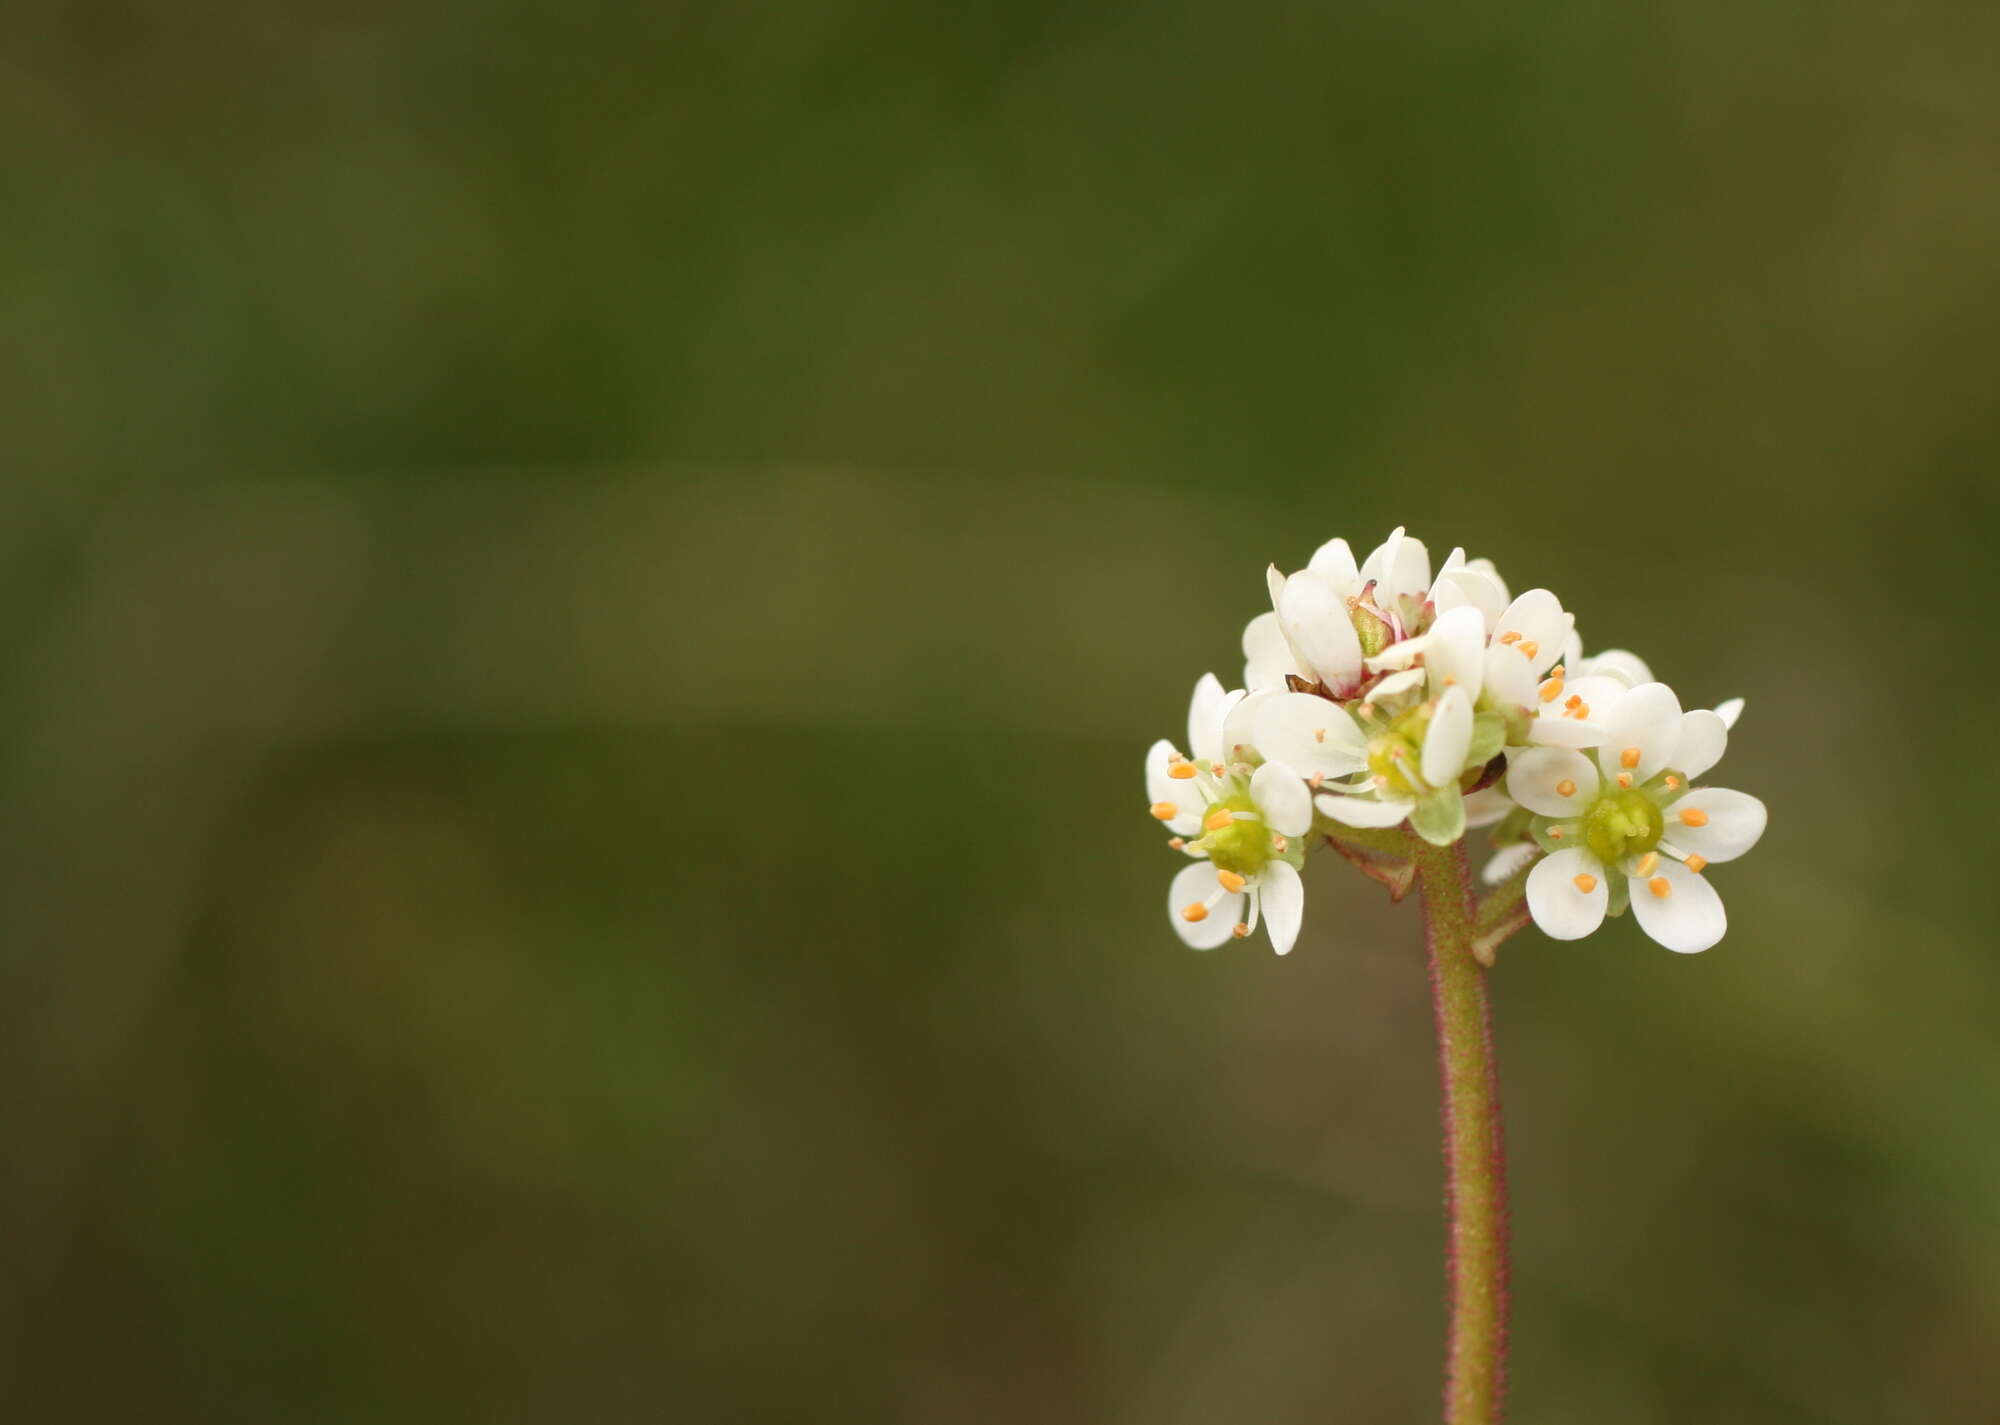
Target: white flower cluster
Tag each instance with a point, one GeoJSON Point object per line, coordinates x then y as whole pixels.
{"type": "Point", "coordinates": [1379, 693]}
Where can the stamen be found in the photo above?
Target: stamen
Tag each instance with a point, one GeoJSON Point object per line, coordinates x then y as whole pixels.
{"type": "Point", "coordinates": [1165, 811]}
{"type": "Point", "coordinates": [1231, 882]}
{"type": "Point", "coordinates": [1565, 788]}
{"type": "Point", "coordinates": [1660, 886]}
{"type": "Point", "coordinates": [1573, 702]}
{"type": "Point", "coordinates": [1693, 816]}
{"type": "Point", "coordinates": [1555, 833]}
{"type": "Point", "coordinates": [1278, 844]}
{"type": "Point", "coordinates": [1648, 862]}
{"type": "Point", "coordinates": [1510, 638]}
{"type": "Point", "coordinates": [1194, 912]}
{"type": "Point", "coordinates": [1530, 649]}
{"type": "Point", "coordinates": [1625, 780]}
{"type": "Point", "coordinates": [1315, 779]}
{"type": "Point", "coordinates": [1179, 843]}
{"type": "Point", "coordinates": [1697, 864]}
{"type": "Point", "coordinates": [1218, 770]}
{"type": "Point", "coordinates": [1319, 734]}
{"type": "Point", "coordinates": [1181, 771]}
{"type": "Point", "coordinates": [1366, 710]}
{"type": "Point", "coordinates": [1585, 883]}
{"type": "Point", "coordinates": [1217, 820]}
{"type": "Point", "coordinates": [1629, 757]}
{"type": "Point", "coordinates": [1552, 690]}
{"type": "Point", "coordinates": [1241, 929]}
{"type": "Point", "coordinates": [1673, 782]}
{"type": "Point", "coordinates": [1580, 711]}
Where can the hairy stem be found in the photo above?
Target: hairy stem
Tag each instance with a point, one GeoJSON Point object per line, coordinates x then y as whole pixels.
{"type": "Point", "coordinates": [1475, 1157]}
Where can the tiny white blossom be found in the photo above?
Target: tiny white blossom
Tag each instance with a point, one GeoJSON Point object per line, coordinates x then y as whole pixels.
{"type": "Point", "coordinates": [1629, 827]}
{"type": "Point", "coordinates": [1244, 823]}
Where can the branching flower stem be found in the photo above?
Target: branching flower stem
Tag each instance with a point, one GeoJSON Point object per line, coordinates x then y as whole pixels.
{"type": "Point", "coordinates": [1475, 1159]}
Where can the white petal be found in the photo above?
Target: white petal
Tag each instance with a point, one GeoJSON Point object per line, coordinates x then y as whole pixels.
{"type": "Point", "coordinates": [1315, 619]}
{"type": "Point", "coordinates": [1194, 885]}
{"type": "Point", "coordinates": [1538, 617]}
{"type": "Point", "coordinates": [1360, 811]}
{"type": "Point", "coordinates": [1559, 905]}
{"type": "Point", "coordinates": [1557, 727]}
{"type": "Point", "coordinates": [1487, 567]}
{"type": "Point", "coordinates": [1310, 734]}
{"type": "Point", "coordinates": [1457, 651]}
{"type": "Point", "coordinates": [1647, 718]}
{"type": "Point", "coordinates": [1281, 895]}
{"type": "Point", "coordinates": [1274, 580]}
{"type": "Point", "coordinates": [1267, 654]}
{"type": "Point", "coordinates": [1379, 557]}
{"type": "Point", "coordinates": [1334, 562]}
{"type": "Point", "coordinates": [1397, 683]}
{"type": "Point", "coordinates": [1573, 653]}
{"type": "Point", "coordinates": [1729, 711]}
{"type": "Point", "coordinates": [1506, 861]}
{"type": "Point", "coordinates": [1204, 719]}
{"type": "Point", "coordinates": [1508, 678]}
{"type": "Point", "coordinates": [1535, 773]}
{"type": "Point", "coordinates": [1400, 654]}
{"type": "Point", "coordinates": [1704, 738]}
{"type": "Point", "coordinates": [1162, 788]}
{"type": "Point", "coordinates": [1406, 571]}
{"type": "Point", "coordinates": [1735, 823]}
{"type": "Point", "coordinates": [1239, 726]}
{"type": "Point", "coordinates": [1448, 738]}
{"type": "Point", "coordinates": [1280, 793]}
{"type": "Point", "coordinates": [1469, 588]}
{"type": "Point", "coordinates": [1688, 918]}
{"type": "Point", "coordinates": [1486, 807]}
{"type": "Point", "coordinates": [1628, 668]}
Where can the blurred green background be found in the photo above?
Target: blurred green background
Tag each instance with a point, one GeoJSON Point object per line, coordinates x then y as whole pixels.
{"type": "Point", "coordinates": [581, 593]}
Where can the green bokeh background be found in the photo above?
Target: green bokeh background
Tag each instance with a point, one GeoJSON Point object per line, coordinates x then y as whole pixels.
{"type": "Point", "coordinates": [581, 592]}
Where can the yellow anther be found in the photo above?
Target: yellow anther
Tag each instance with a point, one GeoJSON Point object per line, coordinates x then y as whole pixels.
{"type": "Point", "coordinates": [1552, 690]}
{"type": "Point", "coordinates": [1194, 912]}
{"type": "Point", "coordinates": [1625, 780]}
{"type": "Point", "coordinates": [1181, 771]}
{"type": "Point", "coordinates": [1165, 811]}
{"type": "Point", "coordinates": [1530, 649]}
{"type": "Point", "coordinates": [1648, 862]}
{"type": "Point", "coordinates": [1660, 886]}
{"type": "Point", "coordinates": [1697, 864]}
{"type": "Point", "coordinates": [1216, 820]}
{"type": "Point", "coordinates": [1510, 638]}
{"type": "Point", "coordinates": [1565, 788]}
{"type": "Point", "coordinates": [1585, 883]}
{"type": "Point", "coordinates": [1240, 929]}
{"type": "Point", "coordinates": [1231, 882]}
{"type": "Point", "coordinates": [1629, 757]}
{"type": "Point", "coordinates": [1693, 816]}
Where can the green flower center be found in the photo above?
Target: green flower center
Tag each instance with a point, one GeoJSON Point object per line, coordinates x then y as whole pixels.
{"type": "Point", "coordinates": [1624, 823]}
{"type": "Point", "coordinates": [1240, 846]}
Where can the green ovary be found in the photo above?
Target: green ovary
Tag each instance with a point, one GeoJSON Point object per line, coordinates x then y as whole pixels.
{"type": "Point", "coordinates": [1623, 824]}
{"type": "Point", "coordinates": [1242, 846]}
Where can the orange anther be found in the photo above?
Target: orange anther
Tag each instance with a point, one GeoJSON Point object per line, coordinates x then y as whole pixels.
{"type": "Point", "coordinates": [1216, 820]}
{"type": "Point", "coordinates": [1530, 649]}
{"type": "Point", "coordinates": [1510, 638]}
{"type": "Point", "coordinates": [1181, 771]}
{"type": "Point", "coordinates": [1319, 734]}
{"type": "Point", "coordinates": [1693, 816]}
{"type": "Point", "coordinates": [1195, 912]}
{"type": "Point", "coordinates": [1585, 883]}
{"type": "Point", "coordinates": [1697, 864]}
{"type": "Point", "coordinates": [1165, 811]}
{"type": "Point", "coordinates": [1565, 788]}
{"type": "Point", "coordinates": [1240, 929]}
{"type": "Point", "coordinates": [1552, 690]}
{"type": "Point", "coordinates": [1660, 886]}
{"type": "Point", "coordinates": [1231, 882]}
{"type": "Point", "coordinates": [1625, 780]}
{"type": "Point", "coordinates": [1648, 862]}
{"type": "Point", "coordinates": [1629, 757]}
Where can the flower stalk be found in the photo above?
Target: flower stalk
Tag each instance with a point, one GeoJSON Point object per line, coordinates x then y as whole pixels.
{"type": "Point", "coordinates": [1475, 1155]}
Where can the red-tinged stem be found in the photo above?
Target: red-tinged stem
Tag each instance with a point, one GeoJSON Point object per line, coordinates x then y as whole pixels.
{"type": "Point", "coordinates": [1475, 1154]}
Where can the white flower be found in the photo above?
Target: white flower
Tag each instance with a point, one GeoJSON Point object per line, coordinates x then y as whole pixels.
{"type": "Point", "coordinates": [1629, 827]}
{"type": "Point", "coordinates": [1415, 763]}
{"type": "Point", "coordinates": [1246, 825]}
